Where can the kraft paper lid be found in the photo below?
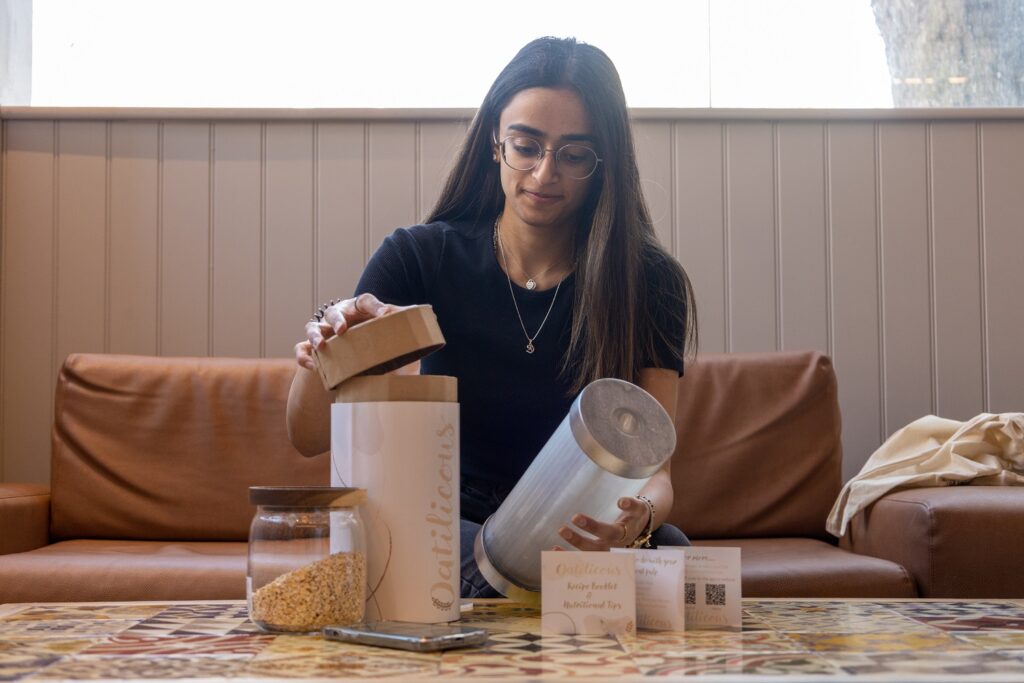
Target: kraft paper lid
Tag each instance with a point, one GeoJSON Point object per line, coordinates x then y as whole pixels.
{"type": "Point", "coordinates": [418, 388]}
{"type": "Point", "coordinates": [379, 345]}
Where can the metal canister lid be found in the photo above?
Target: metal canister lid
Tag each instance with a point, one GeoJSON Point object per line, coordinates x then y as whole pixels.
{"type": "Point", "coordinates": [622, 428]}
{"type": "Point", "coordinates": [379, 345]}
{"type": "Point", "coordinates": [306, 496]}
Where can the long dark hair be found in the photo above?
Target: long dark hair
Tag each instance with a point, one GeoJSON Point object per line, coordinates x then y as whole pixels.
{"type": "Point", "coordinates": [617, 254]}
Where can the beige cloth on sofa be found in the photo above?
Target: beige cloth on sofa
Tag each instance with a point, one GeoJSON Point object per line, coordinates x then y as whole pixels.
{"type": "Point", "coordinates": [932, 451]}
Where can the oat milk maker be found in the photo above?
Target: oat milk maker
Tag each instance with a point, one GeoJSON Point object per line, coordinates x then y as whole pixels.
{"type": "Point", "coordinates": [397, 436]}
{"type": "Point", "coordinates": [614, 438]}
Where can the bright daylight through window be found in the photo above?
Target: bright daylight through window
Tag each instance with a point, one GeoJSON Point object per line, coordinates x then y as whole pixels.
{"type": "Point", "coordinates": [670, 53]}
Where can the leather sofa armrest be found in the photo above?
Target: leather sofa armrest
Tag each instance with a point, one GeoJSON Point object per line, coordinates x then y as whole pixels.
{"type": "Point", "coordinates": [24, 517]}
{"type": "Point", "coordinates": [956, 541]}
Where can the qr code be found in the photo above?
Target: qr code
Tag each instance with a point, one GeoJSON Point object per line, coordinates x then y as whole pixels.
{"type": "Point", "coordinates": [691, 593]}
{"type": "Point", "coordinates": [714, 593]}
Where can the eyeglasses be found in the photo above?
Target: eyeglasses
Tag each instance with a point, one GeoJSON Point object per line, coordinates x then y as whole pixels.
{"type": "Point", "coordinates": [524, 154]}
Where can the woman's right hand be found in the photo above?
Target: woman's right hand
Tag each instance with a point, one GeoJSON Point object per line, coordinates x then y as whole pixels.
{"type": "Point", "coordinates": [338, 318]}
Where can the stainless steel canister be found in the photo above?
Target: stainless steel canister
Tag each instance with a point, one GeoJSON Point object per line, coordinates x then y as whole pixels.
{"type": "Point", "coordinates": [615, 437]}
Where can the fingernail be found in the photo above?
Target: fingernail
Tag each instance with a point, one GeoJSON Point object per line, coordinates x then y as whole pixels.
{"type": "Point", "coordinates": [382, 309]}
{"type": "Point", "coordinates": [623, 503]}
{"type": "Point", "coordinates": [565, 533]}
{"type": "Point", "coordinates": [579, 521]}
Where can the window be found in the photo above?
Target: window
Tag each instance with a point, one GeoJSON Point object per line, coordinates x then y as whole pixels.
{"type": "Point", "coordinates": [670, 53]}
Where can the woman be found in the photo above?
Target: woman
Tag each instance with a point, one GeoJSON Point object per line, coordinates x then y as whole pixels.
{"type": "Point", "coordinates": [545, 274]}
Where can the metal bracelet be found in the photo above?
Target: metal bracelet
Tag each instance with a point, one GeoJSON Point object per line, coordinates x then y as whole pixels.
{"type": "Point", "coordinates": [643, 540]}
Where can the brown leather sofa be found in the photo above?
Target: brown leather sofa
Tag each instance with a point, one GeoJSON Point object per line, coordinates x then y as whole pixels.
{"type": "Point", "coordinates": [958, 541]}
{"type": "Point", "coordinates": [150, 468]}
{"type": "Point", "coordinates": [758, 464]}
{"type": "Point", "coordinates": [152, 459]}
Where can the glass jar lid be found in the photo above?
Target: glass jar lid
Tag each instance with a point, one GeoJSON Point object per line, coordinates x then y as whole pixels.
{"type": "Point", "coordinates": [306, 496]}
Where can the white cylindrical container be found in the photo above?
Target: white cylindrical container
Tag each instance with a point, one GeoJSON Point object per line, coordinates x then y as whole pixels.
{"type": "Point", "coordinates": [614, 438]}
{"type": "Point", "coordinates": [398, 437]}
{"type": "Point", "coordinates": [405, 453]}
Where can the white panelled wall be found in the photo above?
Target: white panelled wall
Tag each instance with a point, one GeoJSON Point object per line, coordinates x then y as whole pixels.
{"type": "Point", "coordinates": [894, 245]}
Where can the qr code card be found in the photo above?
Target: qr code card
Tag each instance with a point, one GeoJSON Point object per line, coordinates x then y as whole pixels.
{"type": "Point", "coordinates": [660, 575]}
{"type": "Point", "coordinates": [713, 591]}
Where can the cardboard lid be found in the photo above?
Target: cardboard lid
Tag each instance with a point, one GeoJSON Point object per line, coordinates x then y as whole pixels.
{"type": "Point", "coordinates": [379, 345]}
{"type": "Point", "coordinates": [418, 388]}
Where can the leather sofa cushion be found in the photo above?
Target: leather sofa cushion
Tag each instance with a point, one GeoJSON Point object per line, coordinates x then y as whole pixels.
{"type": "Point", "coordinates": [758, 450]}
{"type": "Point", "coordinates": [808, 568]}
{"type": "Point", "coordinates": [165, 448]}
{"type": "Point", "coordinates": [24, 517]}
{"type": "Point", "coordinates": [89, 570]}
{"type": "Point", "coordinates": [957, 541]}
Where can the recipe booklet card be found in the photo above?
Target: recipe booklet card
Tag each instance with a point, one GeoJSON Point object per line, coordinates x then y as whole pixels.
{"type": "Point", "coordinates": [713, 589]}
{"type": "Point", "coordinates": [660, 588]}
{"type": "Point", "coordinates": [588, 593]}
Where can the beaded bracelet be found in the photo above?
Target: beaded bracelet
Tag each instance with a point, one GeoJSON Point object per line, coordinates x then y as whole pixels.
{"type": "Point", "coordinates": [644, 539]}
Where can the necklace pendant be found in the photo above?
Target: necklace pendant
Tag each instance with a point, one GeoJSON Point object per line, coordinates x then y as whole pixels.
{"type": "Point", "coordinates": [529, 347]}
{"type": "Point", "coordinates": [531, 284]}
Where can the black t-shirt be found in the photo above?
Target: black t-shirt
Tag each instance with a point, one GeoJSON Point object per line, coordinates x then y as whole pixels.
{"type": "Point", "coordinates": [511, 401]}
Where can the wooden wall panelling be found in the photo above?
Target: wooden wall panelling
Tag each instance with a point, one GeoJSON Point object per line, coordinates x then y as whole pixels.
{"type": "Point", "coordinates": [438, 144]}
{"type": "Point", "coordinates": [391, 178]}
{"type": "Point", "coordinates": [237, 270]}
{"type": "Point", "coordinates": [700, 226]}
{"type": "Point", "coordinates": [132, 257]}
{"type": "Point", "coordinates": [82, 238]}
{"type": "Point", "coordinates": [3, 164]}
{"type": "Point", "coordinates": [184, 240]}
{"type": "Point", "coordinates": [1003, 169]}
{"type": "Point", "coordinates": [753, 243]}
{"type": "Point", "coordinates": [803, 250]}
{"type": "Point", "coordinates": [907, 352]}
{"type": "Point", "coordinates": [289, 256]}
{"type": "Point", "coordinates": [341, 208]}
{"type": "Point", "coordinates": [29, 324]}
{"type": "Point", "coordinates": [654, 151]}
{"type": "Point", "coordinates": [341, 219]}
{"type": "Point", "coordinates": [892, 245]}
{"type": "Point", "coordinates": [853, 223]}
{"type": "Point", "coordinates": [958, 326]}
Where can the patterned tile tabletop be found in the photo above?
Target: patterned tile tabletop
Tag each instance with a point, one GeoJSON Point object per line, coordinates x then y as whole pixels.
{"type": "Point", "coordinates": [820, 640]}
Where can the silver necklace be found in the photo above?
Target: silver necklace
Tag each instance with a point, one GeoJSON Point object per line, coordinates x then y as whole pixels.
{"type": "Point", "coordinates": [530, 348]}
{"type": "Point", "coordinates": [531, 281]}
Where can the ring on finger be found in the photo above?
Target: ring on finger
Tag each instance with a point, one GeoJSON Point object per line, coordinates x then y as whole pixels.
{"type": "Point", "coordinates": [624, 532]}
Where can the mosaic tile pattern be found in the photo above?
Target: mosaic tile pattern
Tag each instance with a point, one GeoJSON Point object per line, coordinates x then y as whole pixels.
{"type": "Point", "coordinates": [799, 639]}
{"type": "Point", "coordinates": [517, 653]}
{"type": "Point", "coordinates": [740, 664]}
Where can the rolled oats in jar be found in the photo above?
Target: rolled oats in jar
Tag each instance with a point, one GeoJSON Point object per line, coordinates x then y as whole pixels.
{"type": "Point", "coordinates": [307, 558]}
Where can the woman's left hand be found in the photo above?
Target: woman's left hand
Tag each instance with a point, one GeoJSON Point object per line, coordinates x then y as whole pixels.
{"type": "Point", "coordinates": [618, 534]}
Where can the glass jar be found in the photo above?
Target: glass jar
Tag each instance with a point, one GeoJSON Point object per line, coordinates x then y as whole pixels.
{"type": "Point", "coordinates": [307, 558]}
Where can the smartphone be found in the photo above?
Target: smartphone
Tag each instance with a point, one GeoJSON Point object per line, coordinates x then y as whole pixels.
{"type": "Point", "coordinates": [407, 635]}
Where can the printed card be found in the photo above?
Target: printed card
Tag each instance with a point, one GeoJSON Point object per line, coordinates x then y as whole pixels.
{"type": "Point", "coordinates": [588, 593]}
{"type": "Point", "coordinates": [660, 580]}
{"type": "Point", "coordinates": [713, 590]}
{"type": "Point", "coordinates": [660, 594]}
